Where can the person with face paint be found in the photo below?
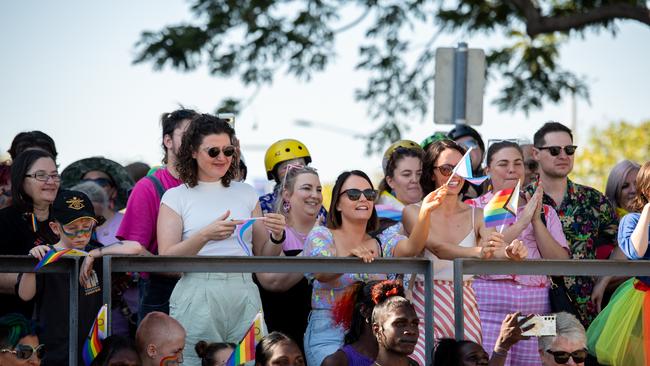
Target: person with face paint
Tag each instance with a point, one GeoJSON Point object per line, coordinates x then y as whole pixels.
{"type": "Point", "coordinates": [74, 220]}
{"type": "Point", "coordinates": [394, 324]}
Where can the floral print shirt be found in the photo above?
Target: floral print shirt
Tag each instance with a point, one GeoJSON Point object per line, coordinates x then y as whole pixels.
{"type": "Point", "coordinates": [320, 243]}
{"type": "Point", "coordinates": [589, 221]}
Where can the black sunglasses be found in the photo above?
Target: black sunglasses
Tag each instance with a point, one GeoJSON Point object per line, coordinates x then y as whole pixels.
{"type": "Point", "coordinates": [555, 150]}
{"type": "Point", "coordinates": [214, 151]}
{"type": "Point", "coordinates": [562, 357]}
{"type": "Point", "coordinates": [445, 169]}
{"type": "Point", "coordinates": [25, 351]}
{"type": "Point", "coordinates": [354, 194]}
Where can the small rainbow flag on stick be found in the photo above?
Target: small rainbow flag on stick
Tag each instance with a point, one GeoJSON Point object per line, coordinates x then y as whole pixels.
{"type": "Point", "coordinates": [98, 332]}
{"type": "Point", "coordinates": [502, 208]}
{"type": "Point", "coordinates": [245, 350]}
{"type": "Point", "coordinates": [464, 170]}
{"type": "Point", "coordinates": [53, 256]}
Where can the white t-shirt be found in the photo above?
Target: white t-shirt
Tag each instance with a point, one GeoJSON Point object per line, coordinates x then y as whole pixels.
{"type": "Point", "coordinates": [201, 205]}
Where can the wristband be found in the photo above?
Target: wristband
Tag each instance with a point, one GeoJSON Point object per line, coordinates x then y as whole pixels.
{"type": "Point", "coordinates": [284, 236]}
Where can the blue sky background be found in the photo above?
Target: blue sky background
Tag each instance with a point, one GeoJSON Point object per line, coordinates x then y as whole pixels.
{"type": "Point", "coordinates": [66, 69]}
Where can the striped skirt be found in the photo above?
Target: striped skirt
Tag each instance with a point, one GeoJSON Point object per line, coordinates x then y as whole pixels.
{"type": "Point", "coordinates": [443, 314]}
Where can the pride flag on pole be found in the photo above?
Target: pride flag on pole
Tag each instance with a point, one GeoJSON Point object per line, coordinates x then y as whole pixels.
{"type": "Point", "coordinates": [53, 256]}
{"type": "Point", "coordinates": [245, 350]}
{"type": "Point", "coordinates": [464, 170]}
{"type": "Point", "coordinates": [502, 208]}
{"type": "Point", "coordinates": [98, 332]}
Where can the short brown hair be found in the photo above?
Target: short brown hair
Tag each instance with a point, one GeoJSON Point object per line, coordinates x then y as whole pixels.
{"type": "Point", "coordinates": [334, 220]}
{"type": "Point", "coordinates": [203, 125]}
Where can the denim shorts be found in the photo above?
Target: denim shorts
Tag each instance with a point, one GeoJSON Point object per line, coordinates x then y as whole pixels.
{"type": "Point", "coordinates": [322, 337]}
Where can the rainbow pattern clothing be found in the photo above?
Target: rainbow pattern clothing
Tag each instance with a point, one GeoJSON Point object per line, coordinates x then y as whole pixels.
{"type": "Point", "coordinates": [620, 335]}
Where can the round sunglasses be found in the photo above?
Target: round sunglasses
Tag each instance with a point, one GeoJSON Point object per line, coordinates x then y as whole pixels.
{"type": "Point", "coordinates": [556, 150]}
{"type": "Point", "coordinates": [354, 194]}
{"type": "Point", "coordinates": [562, 357]}
{"type": "Point", "coordinates": [25, 351]}
{"type": "Point", "coordinates": [446, 169]}
{"type": "Point", "coordinates": [214, 151]}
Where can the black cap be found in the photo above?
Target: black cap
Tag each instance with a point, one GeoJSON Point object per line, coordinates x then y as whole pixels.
{"type": "Point", "coordinates": [462, 130]}
{"type": "Point", "coordinates": [72, 205]}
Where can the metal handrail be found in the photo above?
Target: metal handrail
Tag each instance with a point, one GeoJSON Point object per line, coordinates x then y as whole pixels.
{"type": "Point", "coordinates": [551, 267]}
{"type": "Point", "coordinates": [275, 265]}
{"type": "Point", "coordinates": [25, 264]}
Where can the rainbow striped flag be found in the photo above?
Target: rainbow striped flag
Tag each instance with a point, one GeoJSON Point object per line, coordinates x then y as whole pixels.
{"type": "Point", "coordinates": [53, 256]}
{"type": "Point", "coordinates": [464, 170]}
{"type": "Point", "coordinates": [98, 332]}
{"type": "Point", "coordinates": [245, 350]}
{"type": "Point", "coordinates": [502, 208]}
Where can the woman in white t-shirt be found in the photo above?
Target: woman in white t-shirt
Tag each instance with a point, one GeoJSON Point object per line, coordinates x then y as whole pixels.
{"type": "Point", "coordinates": [200, 217]}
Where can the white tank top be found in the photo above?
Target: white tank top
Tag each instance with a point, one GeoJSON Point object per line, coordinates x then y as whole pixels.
{"type": "Point", "coordinates": [444, 269]}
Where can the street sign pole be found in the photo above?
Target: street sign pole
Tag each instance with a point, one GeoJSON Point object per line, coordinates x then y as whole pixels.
{"type": "Point", "coordinates": [460, 83]}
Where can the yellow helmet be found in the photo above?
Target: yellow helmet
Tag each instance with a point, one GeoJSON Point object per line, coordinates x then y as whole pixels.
{"type": "Point", "coordinates": [404, 144]}
{"type": "Point", "coordinates": [284, 150]}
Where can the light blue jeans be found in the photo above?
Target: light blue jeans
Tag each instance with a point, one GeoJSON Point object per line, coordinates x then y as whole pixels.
{"type": "Point", "coordinates": [322, 337]}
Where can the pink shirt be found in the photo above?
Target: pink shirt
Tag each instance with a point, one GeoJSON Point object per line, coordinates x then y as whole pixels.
{"type": "Point", "coordinates": [527, 236]}
{"type": "Point", "coordinates": [141, 216]}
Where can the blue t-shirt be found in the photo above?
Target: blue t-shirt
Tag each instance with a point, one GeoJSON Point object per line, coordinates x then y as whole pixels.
{"type": "Point", "coordinates": [625, 229]}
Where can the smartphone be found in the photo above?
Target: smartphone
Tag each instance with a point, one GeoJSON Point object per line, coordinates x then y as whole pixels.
{"type": "Point", "coordinates": [229, 117]}
{"type": "Point", "coordinates": [543, 325]}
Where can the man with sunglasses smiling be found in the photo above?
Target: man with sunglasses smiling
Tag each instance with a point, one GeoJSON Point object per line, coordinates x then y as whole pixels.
{"type": "Point", "coordinates": [568, 346]}
{"type": "Point", "coordinates": [588, 218]}
{"type": "Point", "coordinates": [19, 344]}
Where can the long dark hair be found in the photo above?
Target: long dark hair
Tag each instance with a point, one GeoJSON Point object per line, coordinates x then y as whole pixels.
{"type": "Point", "coordinates": [170, 122]}
{"type": "Point", "coordinates": [430, 158]}
{"type": "Point", "coordinates": [24, 161]}
{"type": "Point", "coordinates": [334, 219]}
{"type": "Point", "coordinates": [203, 125]}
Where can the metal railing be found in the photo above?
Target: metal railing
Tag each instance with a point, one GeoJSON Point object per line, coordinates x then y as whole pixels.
{"type": "Point", "coordinates": [275, 265]}
{"type": "Point", "coordinates": [584, 267]}
{"type": "Point", "coordinates": [25, 264]}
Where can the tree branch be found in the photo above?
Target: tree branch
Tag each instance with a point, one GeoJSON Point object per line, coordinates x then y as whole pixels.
{"type": "Point", "coordinates": [537, 24]}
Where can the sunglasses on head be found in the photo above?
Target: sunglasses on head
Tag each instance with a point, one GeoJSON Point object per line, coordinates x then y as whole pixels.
{"type": "Point", "coordinates": [214, 151]}
{"type": "Point", "coordinates": [354, 194]}
{"type": "Point", "coordinates": [562, 357]}
{"type": "Point", "coordinates": [555, 150]}
{"type": "Point", "coordinates": [445, 169]}
{"type": "Point", "coordinates": [25, 351]}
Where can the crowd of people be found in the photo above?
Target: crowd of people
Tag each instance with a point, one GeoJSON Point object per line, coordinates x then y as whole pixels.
{"type": "Point", "coordinates": [197, 204]}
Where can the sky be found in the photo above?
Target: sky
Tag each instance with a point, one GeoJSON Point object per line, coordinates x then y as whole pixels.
{"type": "Point", "coordinates": [66, 69]}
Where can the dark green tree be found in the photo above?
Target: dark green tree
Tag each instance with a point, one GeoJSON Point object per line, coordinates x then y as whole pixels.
{"type": "Point", "coordinates": [255, 39]}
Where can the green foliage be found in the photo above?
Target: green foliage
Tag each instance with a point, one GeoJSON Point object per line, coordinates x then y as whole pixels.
{"type": "Point", "coordinates": [606, 147]}
{"type": "Point", "coordinates": [255, 39]}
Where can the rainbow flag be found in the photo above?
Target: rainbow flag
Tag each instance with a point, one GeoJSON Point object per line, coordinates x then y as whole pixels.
{"type": "Point", "coordinates": [98, 332]}
{"type": "Point", "coordinates": [502, 208]}
{"type": "Point", "coordinates": [245, 350]}
{"type": "Point", "coordinates": [53, 256]}
{"type": "Point", "coordinates": [464, 170]}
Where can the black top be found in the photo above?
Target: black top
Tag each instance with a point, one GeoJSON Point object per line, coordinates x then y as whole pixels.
{"type": "Point", "coordinates": [51, 312]}
{"type": "Point", "coordinates": [18, 238]}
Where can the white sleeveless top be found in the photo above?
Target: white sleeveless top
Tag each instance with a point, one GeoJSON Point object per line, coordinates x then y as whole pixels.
{"type": "Point", "coordinates": [444, 269]}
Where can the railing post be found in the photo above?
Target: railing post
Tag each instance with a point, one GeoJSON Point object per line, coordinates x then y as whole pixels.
{"type": "Point", "coordinates": [459, 316]}
{"type": "Point", "coordinates": [106, 291]}
{"type": "Point", "coordinates": [73, 308]}
{"type": "Point", "coordinates": [428, 313]}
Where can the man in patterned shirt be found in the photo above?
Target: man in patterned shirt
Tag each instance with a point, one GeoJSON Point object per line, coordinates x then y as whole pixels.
{"type": "Point", "coordinates": [588, 218]}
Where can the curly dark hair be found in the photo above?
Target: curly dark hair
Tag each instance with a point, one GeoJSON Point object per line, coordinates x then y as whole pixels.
{"type": "Point", "coordinates": [430, 158]}
{"type": "Point", "coordinates": [387, 295]}
{"type": "Point", "coordinates": [203, 125]}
